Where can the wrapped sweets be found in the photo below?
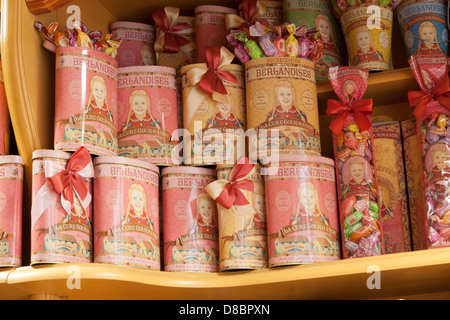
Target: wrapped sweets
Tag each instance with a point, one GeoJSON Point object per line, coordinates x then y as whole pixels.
{"type": "Point", "coordinates": [432, 112]}
{"type": "Point", "coordinates": [361, 226]}
{"type": "Point", "coordinates": [240, 197]}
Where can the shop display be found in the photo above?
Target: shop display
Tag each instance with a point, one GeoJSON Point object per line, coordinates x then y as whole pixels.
{"type": "Point", "coordinates": [361, 225]}
{"type": "Point", "coordinates": [148, 114]}
{"type": "Point", "coordinates": [393, 210]}
{"type": "Point", "coordinates": [11, 197]}
{"type": "Point", "coordinates": [302, 211]}
{"type": "Point", "coordinates": [61, 212]}
{"type": "Point", "coordinates": [190, 222]}
{"type": "Point", "coordinates": [126, 213]}
{"type": "Point", "coordinates": [137, 41]}
{"type": "Point", "coordinates": [5, 121]}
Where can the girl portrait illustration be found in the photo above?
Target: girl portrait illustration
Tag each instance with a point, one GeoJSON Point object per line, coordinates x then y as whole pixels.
{"type": "Point", "coordinates": [147, 56]}
{"type": "Point", "coordinates": [285, 103]}
{"type": "Point", "coordinates": [359, 179]}
{"type": "Point", "coordinates": [323, 25]}
{"type": "Point", "coordinates": [205, 215]}
{"type": "Point", "coordinates": [136, 212]}
{"type": "Point", "coordinates": [77, 213]}
{"type": "Point", "coordinates": [139, 113]}
{"type": "Point", "coordinates": [308, 209]}
{"type": "Point", "coordinates": [438, 165]}
{"type": "Point", "coordinates": [366, 51]}
{"type": "Point", "coordinates": [428, 43]}
{"type": "Point", "coordinates": [224, 115]}
{"type": "Point", "coordinates": [258, 220]}
{"type": "Point", "coordinates": [98, 102]}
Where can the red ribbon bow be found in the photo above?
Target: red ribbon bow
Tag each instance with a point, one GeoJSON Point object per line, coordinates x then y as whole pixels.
{"type": "Point", "coordinates": [420, 100]}
{"type": "Point", "coordinates": [212, 79]}
{"type": "Point", "coordinates": [360, 111]}
{"type": "Point", "coordinates": [69, 180]}
{"type": "Point", "coordinates": [172, 41]}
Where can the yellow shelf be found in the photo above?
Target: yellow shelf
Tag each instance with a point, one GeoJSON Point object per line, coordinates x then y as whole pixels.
{"type": "Point", "coordinates": [401, 275]}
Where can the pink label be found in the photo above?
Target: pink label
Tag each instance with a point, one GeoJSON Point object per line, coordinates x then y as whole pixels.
{"type": "Point", "coordinates": [148, 116]}
{"type": "Point", "coordinates": [190, 224]}
{"type": "Point", "coordinates": [210, 31]}
{"type": "Point", "coordinates": [302, 215]}
{"type": "Point", "coordinates": [11, 190]}
{"type": "Point", "coordinates": [136, 48]}
{"type": "Point", "coordinates": [126, 210]}
{"type": "Point", "coordinates": [86, 101]}
{"type": "Point", "coordinates": [58, 236]}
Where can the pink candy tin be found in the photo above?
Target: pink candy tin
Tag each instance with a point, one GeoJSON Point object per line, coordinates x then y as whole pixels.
{"type": "Point", "coordinates": [137, 44]}
{"type": "Point", "coordinates": [11, 191]}
{"type": "Point", "coordinates": [86, 101]}
{"type": "Point", "coordinates": [190, 220]}
{"type": "Point", "coordinates": [126, 209]}
{"type": "Point", "coordinates": [302, 214]}
{"type": "Point", "coordinates": [148, 114]}
{"type": "Point", "coordinates": [58, 235]}
{"type": "Point", "coordinates": [5, 126]}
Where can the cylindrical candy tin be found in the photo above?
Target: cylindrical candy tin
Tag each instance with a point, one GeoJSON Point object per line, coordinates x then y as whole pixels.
{"type": "Point", "coordinates": [282, 107]}
{"type": "Point", "coordinates": [242, 231]}
{"type": "Point", "coordinates": [11, 192]}
{"type": "Point", "coordinates": [424, 26]}
{"type": "Point", "coordinates": [317, 14]}
{"type": "Point", "coordinates": [216, 129]}
{"type": "Point", "coordinates": [126, 212]}
{"type": "Point", "coordinates": [5, 123]}
{"type": "Point", "coordinates": [273, 14]}
{"type": "Point", "coordinates": [189, 220]}
{"type": "Point", "coordinates": [210, 28]}
{"type": "Point", "coordinates": [58, 236]}
{"type": "Point", "coordinates": [367, 31]}
{"type": "Point", "coordinates": [148, 114]}
{"type": "Point", "coordinates": [86, 101]}
{"type": "Point", "coordinates": [136, 48]}
{"type": "Point", "coordinates": [302, 214]}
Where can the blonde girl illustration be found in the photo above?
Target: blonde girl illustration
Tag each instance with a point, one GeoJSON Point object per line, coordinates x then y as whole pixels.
{"type": "Point", "coordinates": [330, 48]}
{"type": "Point", "coordinates": [308, 209]}
{"type": "Point", "coordinates": [258, 220]}
{"type": "Point", "coordinates": [349, 88]}
{"type": "Point", "coordinates": [358, 183]}
{"type": "Point", "coordinates": [428, 43]}
{"type": "Point", "coordinates": [366, 52]}
{"type": "Point", "coordinates": [439, 175]}
{"type": "Point", "coordinates": [137, 207]}
{"type": "Point", "coordinates": [147, 56]}
{"type": "Point", "coordinates": [224, 116]}
{"type": "Point", "coordinates": [205, 218]}
{"type": "Point", "coordinates": [97, 102]}
{"type": "Point", "coordinates": [139, 114]}
{"type": "Point", "coordinates": [285, 104]}
{"type": "Point", "coordinates": [77, 213]}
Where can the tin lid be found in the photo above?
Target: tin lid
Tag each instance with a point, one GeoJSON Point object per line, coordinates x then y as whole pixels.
{"type": "Point", "coordinates": [47, 153]}
{"type": "Point", "coordinates": [12, 159]}
{"type": "Point", "coordinates": [267, 162]}
{"type": "Point", "coordinates": [125, 161]}
{"type": "Point", "coordinates": [188, 169]}
{"type": "Point", "coordinates": [149, 69]}
{"type": "Point", "coordinates": [87, 53]}
{"type": "Point", "coordinates": [131, 25]}
{"type": "Point", "coordinates": [217, 9]}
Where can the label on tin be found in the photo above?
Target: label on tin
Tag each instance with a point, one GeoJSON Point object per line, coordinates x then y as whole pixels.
{"type": "Point", "coordinates": [302, 214]}
{"type": "Point", "coordinates": [148, 116]}
{"type": "Point", "coordinates": [136, 48]}
{"type": "Point", "coordinates": [190, 224]}
{"type": "Point", "coordinates": [127, 216]}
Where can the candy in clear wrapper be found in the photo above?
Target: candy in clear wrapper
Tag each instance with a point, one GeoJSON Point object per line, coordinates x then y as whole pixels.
{"type": "Point", "coordinates": [280, 43]}
{"type": "Point", "coordinates": [238, 47]}
{"type": "Point", "coordinates": [291, 42]}
{"type": "Point", "coordinates": [265, 42]}
{"type": "Point", "coordinates": [252, 48]}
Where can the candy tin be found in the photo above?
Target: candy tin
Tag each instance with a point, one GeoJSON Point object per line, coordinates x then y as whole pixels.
{"type": "Point", "coordinates": [191, 242]}
{"type": "Point", "coordinates": [148, 113]}
{"type": "Point", "coordinates": [136, 48]}
{"type": "Point", "coordinates": [126, 212]}
{"type": "Point", "coordinates": [11, 193]}
{"type": "Point", "coordinates": [86, 101]}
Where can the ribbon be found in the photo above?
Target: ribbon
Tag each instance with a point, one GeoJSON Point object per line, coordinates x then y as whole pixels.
{"type": "Point", "coordinates": [252, 10]}
{"type": "Point", "coordinates": [64, 182]}
{"type": "Point", "coordinates": [171, 39]}
{"type": "Point", "coordinates": [360, 111]}
{"type": "Point", "coordinates": [420, 99]}
{"type": "Point", "coordinates": [208, 80]}
{"type": "Point", "coordinates": [229, 192]}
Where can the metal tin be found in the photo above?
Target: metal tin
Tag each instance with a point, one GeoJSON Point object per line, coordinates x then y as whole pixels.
{"type": "Point", "coordinates": [190, 220]}
{"type": "Point", "coordinates": [5, 126]}
{"type": "Point", "coordinates": [148, 114]}
{"type": "Point", "coordinates": [243, 232]}
{"type": "Point", "coordinates": [424, 26]}
{"type": "Point", "coordinates": [282, 107]}
{"type": "Point", "coordinates": [126, 212]}
{"type": "Point", "coordinates": [86, 101]}
{"type": "Point", "coordinates": [136, 48]}
{"type": "Point", "coordinates": [302, 212]}
{"type": "Point", "coordinates": [368, 36]}
{"type": "Point", "coordinates": [216, 130]}
{"type": "Point", "coordinates": [11, 193]}
{"type": "Point", "coordinates": [210, 28]}
{"type": "Point", "coordinates": [274, 13]}
{"type": "Point", "coordinates": [57, 236]}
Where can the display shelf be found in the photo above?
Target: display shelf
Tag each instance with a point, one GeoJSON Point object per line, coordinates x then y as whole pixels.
{"type": "Point", "coordinates": [401, 275]}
